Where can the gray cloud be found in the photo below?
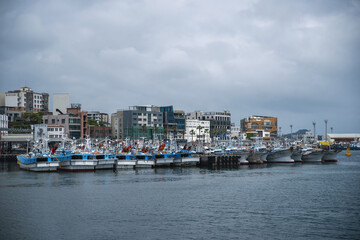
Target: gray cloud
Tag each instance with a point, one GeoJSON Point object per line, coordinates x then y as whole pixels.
{"type": "Point", "coordinates": [294, 60]}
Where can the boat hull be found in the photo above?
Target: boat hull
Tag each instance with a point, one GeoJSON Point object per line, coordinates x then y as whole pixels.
{"type": "Point", "coordinates": [40, 166]}
{"type": "Point", "coordinates": [280, 156]}
{"type": "Point", "coordinates": [243, 157]}
{"type": "Point", "coordinates": [296, 155]}
{"type": "Point", "coordinates": [329, 156]}
{"type": "Point", "coordinates": [186, 161]}
{"type": "Point", "coordinates": [145, 163]}
{"type": "Point", "coordinates": [312, 157]}
{"type": "Point", "coordinates": [106, 164]}
{"type": "Point", "coordinates": [125, 164]}
{"type": "Point", "coordinates": [164, 162]}
{"type": "Point", "coordinates": [256, 157]}
{"type": "Point", "coordinates": [78, 165]}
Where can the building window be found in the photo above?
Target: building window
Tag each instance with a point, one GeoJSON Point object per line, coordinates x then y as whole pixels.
{"type": "Point", "coordinates": [53, 121]}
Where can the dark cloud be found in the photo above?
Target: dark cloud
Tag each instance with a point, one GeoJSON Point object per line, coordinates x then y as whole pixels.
{"type": "Point", "coordinates": [294, 60]}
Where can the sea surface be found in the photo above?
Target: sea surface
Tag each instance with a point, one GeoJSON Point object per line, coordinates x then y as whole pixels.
{"type": "Point", "coordinates": [296, 201]}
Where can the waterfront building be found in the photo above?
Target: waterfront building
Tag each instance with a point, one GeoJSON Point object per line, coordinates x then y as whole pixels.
{"type": "Point", "coordinates": [60, 103]}
{"type": "Point", "coordinates": [220, 122]}
{"type": "Point", "coordinates": [27, 101]}
{"type": "Point", "coordinates": [75, 121]}
{"type": "Point", "coordinates": [56, 132]}
{"type": "Point", "coordinates": [99, 117]}
{"type": "Point", "coordinates": [12, 114]}
{"type": "Point", "coordinates": [100, 132]}
{"type": "Point", "coordinates": [138, 122]}
{"type": "Point", "coordinates": [235, 131]}
{"type": "Point", "coordinates": [40, 131]}
{"type": "Point", "coordinates": [4, 123]}
{"type": "Point", "coordinates": [78, 121]}
{"type": "Point", "coordinates": [197, 130]}
{"type": "Point", "coordinates": [344, 137]}
{"type": "Point", "coordinates": [260, 124]}
{"type": "Point", "coordinates": [179, 116]}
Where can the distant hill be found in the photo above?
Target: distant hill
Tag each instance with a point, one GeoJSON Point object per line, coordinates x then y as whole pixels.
{"type": "Point", "coordinates": [299, 132]}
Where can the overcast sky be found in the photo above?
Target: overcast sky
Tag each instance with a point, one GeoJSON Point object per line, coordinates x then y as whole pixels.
{"type": "Point", "coordinates": [296, 60]}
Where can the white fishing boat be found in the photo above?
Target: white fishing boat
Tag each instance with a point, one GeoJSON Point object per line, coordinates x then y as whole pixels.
{"type": "Point", "coordinates": [280, 155]}
{"type": "Point", "coordinates": [330, 155]}
{"type": "Point", "coordinates": [312, 155]}
{"type": "Point", "coordinates": [144, 161]}
{"type": "Point", "coordinates": [185, 159]}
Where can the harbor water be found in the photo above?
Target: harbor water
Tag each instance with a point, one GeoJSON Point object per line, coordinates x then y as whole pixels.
{"type": "Point", "coordinates": [278, 201]}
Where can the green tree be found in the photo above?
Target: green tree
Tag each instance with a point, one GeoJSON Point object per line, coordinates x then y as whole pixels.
{"type": "Point", "coordinates": [192, 133]}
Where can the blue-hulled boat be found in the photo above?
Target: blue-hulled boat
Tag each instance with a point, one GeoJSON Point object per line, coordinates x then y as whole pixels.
{"type": "Point", "coordinates": [163, 159]}
{"type": "Point", "coordinates": [40, 162]}
{"type": "Point", "coordinates": [145, 160]}
{"type": "Point", "coordinates": [105, 161]}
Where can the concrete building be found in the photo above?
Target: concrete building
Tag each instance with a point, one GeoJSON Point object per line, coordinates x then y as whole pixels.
{"type": "Point", "coordinates": [344, 137]}
{"type": "Point", "coordinates": [12, 114]}
{"type": "Point", "coordinates": [75, 121]}
{"type": "Point", "coordinates": [138, 122]}
{"type": "Point", "coordinates": [220, 122]}
{"type": "Point", "coordinates": [180, 120]}
{"type": "Point", "coordinates": [4, 123]}
{"type": "Point", "coordinates": [235, 131]}
{"type": "Point", "coordinates": [60, 103]}
{"type": "Point", "coordinates": [26, 100]}
{"type": "Point", "coordinates": [56, 132]}
{"type": "Point", "coordinates": [193, 133]}
{"type": "Point", "coordinates": [99, 117]}
{"type": "Point", "coordinates": [100, 132]}
{"type": "Point", "coordinates": [263, 124]}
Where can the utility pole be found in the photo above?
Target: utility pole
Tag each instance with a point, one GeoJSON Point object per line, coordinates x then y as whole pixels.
{"type": "Point", "coordinates": [326, 121]}
{"type": "Point", "coordinates": [331, 129]}
{"type": "Point", "coordinates": [314, 123]}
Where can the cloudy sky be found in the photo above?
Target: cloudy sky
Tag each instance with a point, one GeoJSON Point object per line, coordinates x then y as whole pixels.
{"type": "Point", "coordinates": [296, 60]}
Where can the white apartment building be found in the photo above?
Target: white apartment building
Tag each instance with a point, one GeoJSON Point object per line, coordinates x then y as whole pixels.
{"type": "Point", "coordinates": [25, 100]}
{"type": "Point", "coordinates": [192, 125]}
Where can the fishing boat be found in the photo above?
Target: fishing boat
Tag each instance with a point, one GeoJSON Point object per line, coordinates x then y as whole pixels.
{"type": "Point", "coordinates": [105, 161]}
{"type": "Point", "coordinates": [163, 159]}
{"type": "Point", "coordinates": [330, 156]}
{"type": "Point", "coordinates": [280, 155]}
{"type": "Point", "coordinates": [79, 162]}
{"type": "Point", "coordinates": [125, 161]}
{"type": "Point", "coordinates": [185, 159]}
{"type": "Point", "coordinates": [312, 155]}
{"type": "Point", "coordinates": [38, 163]}
{"type": "Point", "coordinates": [145, 161]}
{"type": "Point", "coordinates": [296, 155]}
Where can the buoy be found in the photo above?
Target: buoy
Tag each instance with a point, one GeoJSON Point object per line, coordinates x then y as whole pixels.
{"type": "Point", "coordinates": [348, 153]}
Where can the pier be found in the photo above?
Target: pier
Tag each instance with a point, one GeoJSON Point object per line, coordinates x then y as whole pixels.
{"type": "Point", "coordinates": [219, 160]}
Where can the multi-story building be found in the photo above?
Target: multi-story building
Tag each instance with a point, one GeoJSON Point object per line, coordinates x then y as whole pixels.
{"type": "Point", "coordinates": [235, 131]}
{"type": "Point", "coordinates": [99, 117]}
{"type": "Point", "coordinates": [261, 124]}
{"type": "Point", "coordinates": [75, 121]}
{"type": "Point", "coordinates": [4, 123]}
{"type": "Point", "coordinates": [60, 103]}
{"type": "Point", "coordinates": [56, 132]}
{"type": "Point", "coordinates": [138, 122]}
{"type": "Point", "coordinates": [13, 115]}
{"type": "Point", "coordinates": [100, 132]}
{"type": "Point", "coordinates": [179, 117]}
{"type": "Point", "coordinates": [78, 121]}
{"type": "Point", "coordinates": [197, 130]}
{"type": "Point", "coordinates": [220, 122]}
{"type": "Point", "coordinates": [27, 101]}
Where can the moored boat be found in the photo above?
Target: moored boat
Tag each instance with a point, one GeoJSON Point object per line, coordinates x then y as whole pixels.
{"type": "Point", "coordinates": [296, 155]}
{"type": "Point", "coordinates": [163, 159]}
{"type": "Point", "coordinates": [125, 161]}
{"type": "Point", "coordinates": [144, 161]}
{"type": "Point", "coordinates": [79, 162]}
{"type": "Point", "coordinates": [312, 155]}
{"type": "Point", "coordinates": [280, 155]}
{"type": "Point", "coordinates": [330, 156]}
{"type": "Point", "coordinates": [105, 161]}
{"type": "Point", "coordinates": [40, 163]}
